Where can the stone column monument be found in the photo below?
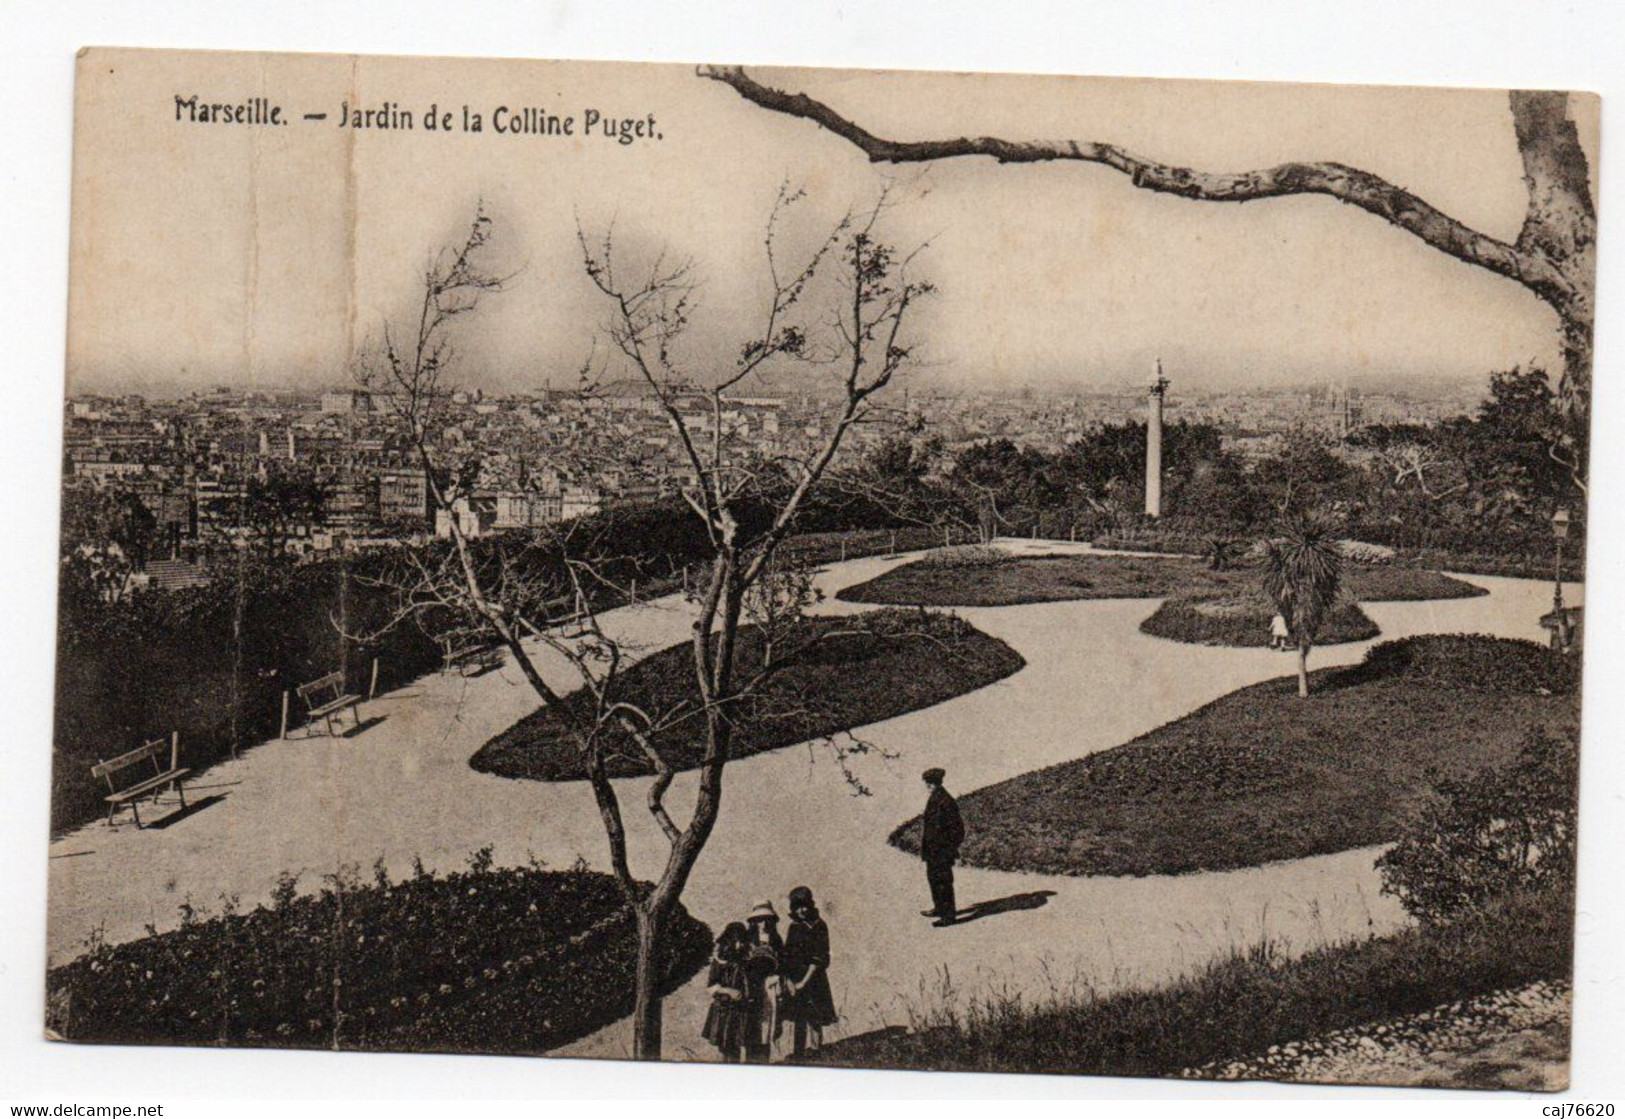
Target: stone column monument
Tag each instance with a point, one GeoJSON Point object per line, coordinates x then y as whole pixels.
{"type": "Point", "coordinates": [1153, 445]}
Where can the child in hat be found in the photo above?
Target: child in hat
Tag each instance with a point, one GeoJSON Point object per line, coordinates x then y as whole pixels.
{"type": "Point", "coordinates": [807, 1002]}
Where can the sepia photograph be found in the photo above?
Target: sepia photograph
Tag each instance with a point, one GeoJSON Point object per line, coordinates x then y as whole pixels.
{"type": "Point", "coordinates": [861, 569]}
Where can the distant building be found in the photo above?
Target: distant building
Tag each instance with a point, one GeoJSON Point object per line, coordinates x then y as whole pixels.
{"type": "Point", "coordinates": [527, 510]}
{"type": "Point", "coordinates": [352, 503]}
{"type": "Point", "coordinates": [172, 575]}
{"type": "Point", "coordinates": [346, 401]}
{"type": "Point", "coordinates": [473, 517]}
{"type": "Point", "coordinates": [578, 501]}
{"type": "Point", "coordinates": [403, 495]}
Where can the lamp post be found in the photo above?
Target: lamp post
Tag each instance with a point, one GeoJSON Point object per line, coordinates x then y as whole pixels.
{"type": "Point", "coordinates": [1560, 618]}
{"type": "Point", "coordinates": [1560, 529]}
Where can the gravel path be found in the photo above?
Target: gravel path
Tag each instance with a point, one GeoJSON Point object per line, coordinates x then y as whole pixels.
{"type": "Point", "coordinates": [1517, 1039]}
{"type": "Point", "coordinates": [403, 788]}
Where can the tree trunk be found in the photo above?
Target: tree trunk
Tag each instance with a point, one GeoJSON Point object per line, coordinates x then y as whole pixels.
{"type": "Point", "coordinates": [1303, 670]}
{"type": "Point", "coordinates": [647, 1018]}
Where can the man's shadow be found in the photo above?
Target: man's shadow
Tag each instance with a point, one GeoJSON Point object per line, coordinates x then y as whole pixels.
{"type": "Point", "coordinates": [1036, 899]}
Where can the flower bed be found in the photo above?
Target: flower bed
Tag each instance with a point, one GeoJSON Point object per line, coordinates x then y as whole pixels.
{"type": "Point", "coordinates": [965, 555]}
{"type": "Point", "coordinates": [1261, 775]}
{"type": "Point", "coordinates": [860, 670]}
{"type": "Point", "coordinates": [1009, 580]}
{"type": "Point", "coordinates": [518, 961]}
{"type": "Point", "coordinates": [1244, 622]}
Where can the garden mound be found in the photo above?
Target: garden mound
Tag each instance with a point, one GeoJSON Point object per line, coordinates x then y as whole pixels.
{"type": "Point", "coordinates": [1261, 775]}
{"type": "Point", "coordinates": [856, 671]}
{"type": "Point", "coordinates": [987, 577]}
{"type": "Point", "coordinates": [1243, 621]}
{"type": "Point", "coordinates": [488, 961]}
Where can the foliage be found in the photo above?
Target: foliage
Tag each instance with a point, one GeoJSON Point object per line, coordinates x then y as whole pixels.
{"type": "Point", "coordinates": [1302, 575]}
{"type": "Point", "coordinates": [1458, 661]}
{"type": "Point", "coordinates": [1244, 622]}
{"type": "Point", "coordinates": [777, 603]}
{"type": "Point", "coordinates": [1173, 543]}
{"type": "Point", "coordinates": [1241, 1004]}
{"type": "Point", "coordinates": [517, 960]}
{"type": "Point", "coordinates": [832, 675]}
{"type": "Point", "coordinates": [1361, 551]}
{"type": "Point", "coordinates": [1509, 829]}
{"type": "Point", "coordinates": [1478, 488]}
{"type": "Point", "coordinates": [106, 538]}
{"type": "Point", "coordinates": [210, 662]}
{"type": "Point", "coordinates": [274, 504]}
{"type": "Point", "coordinates": [1257, 776]}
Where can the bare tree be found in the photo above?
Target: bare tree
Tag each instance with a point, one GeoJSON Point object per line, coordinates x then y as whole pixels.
{"type": "Point", "coordinates": [538, 592]}
{"type": "Point", "coordinates": [1554, 255]}
{"type": "Point", "coordinates": [648, 315]}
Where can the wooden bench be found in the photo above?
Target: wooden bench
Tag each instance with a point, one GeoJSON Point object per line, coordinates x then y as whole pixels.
{"type": "Point", "coordinates": [326, 698]}
{"type": "Point", "coordinates": [478, 655]}
{"type": "Point", "coordinates": [161, 779]}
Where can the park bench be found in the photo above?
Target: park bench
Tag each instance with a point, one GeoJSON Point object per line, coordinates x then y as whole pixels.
{"type": "Point", "coordinates": [160, 780]}
{"type": "Point", "coordinates": [326, 697]}
{"type": "Point", "coordinates": [477, 655]}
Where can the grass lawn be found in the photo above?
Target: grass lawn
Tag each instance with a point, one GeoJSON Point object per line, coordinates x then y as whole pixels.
{"type": "Point", "coordinates": [519, 960]}
{"type": "Point", "coordinates": [907, 660]}
{"type": "Point", "coordinates": [1238, 1006]}
{"type": "Point", "coordinates": [1261, 775]}
{"type": "Point", "coordinates": [1013, 580]}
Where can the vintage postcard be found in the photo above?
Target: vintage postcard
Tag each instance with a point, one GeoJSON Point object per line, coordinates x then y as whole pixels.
{"type": "Point", "coordinates": [901, 570]}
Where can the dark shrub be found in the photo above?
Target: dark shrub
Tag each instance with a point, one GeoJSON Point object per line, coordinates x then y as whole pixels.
{"type": "Point", "coordinates": [1506, 830]}
{"type": "Point", "coordinates": [1485, 663]}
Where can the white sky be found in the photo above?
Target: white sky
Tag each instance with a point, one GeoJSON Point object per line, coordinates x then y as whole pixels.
{"type": "Point", "coordinates": [215, 254]}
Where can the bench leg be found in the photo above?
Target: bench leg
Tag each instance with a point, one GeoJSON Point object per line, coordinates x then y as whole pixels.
{"type": "Point", "coordinates": [181, 791]}
{"type": "Point", "coordinates": [135, 809]}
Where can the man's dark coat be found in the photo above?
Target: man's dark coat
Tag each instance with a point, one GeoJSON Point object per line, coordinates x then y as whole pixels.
{"type": "Point", "coordinates": [943, 830]}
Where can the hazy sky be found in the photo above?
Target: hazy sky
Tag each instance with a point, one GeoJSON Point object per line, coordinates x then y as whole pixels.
{"type": "Point", "coordinates": [210, 253]}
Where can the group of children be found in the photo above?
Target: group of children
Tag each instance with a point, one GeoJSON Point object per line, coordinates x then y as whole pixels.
{"type": "Point", "coordinates": [760, 980]}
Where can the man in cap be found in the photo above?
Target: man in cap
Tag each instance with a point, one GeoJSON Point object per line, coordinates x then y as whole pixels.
{"type": "Point", "coordinates": [941, 833]}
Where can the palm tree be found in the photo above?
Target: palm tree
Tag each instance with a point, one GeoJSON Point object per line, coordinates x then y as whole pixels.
{"type": "Point", "coordinates": [1302, 574]}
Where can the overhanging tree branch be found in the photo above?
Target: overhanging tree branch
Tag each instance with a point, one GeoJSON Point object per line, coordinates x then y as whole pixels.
{"type": "Point", "coordinates": [1369, 192]}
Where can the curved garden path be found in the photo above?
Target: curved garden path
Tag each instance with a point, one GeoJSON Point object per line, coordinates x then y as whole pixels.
{"type": "Point", "coordinates": [403, 787]}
